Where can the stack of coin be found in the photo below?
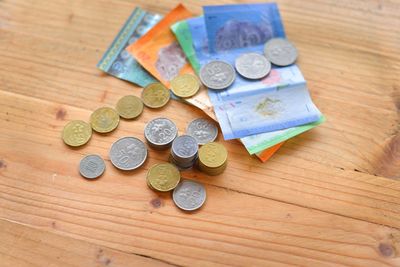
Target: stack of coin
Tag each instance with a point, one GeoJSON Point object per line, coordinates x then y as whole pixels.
{"type": "Point", "coordinates": [160, 133]}
{"type": "Point", "coordinates": [163, 177]}
{"type": "Point", "coordinates": [184, 151]}
{"type": "Point", "coordinates": [213, 158]}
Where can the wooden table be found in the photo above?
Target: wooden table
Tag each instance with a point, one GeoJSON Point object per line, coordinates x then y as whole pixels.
{"type": "Point", "coordinates": [328, 197]}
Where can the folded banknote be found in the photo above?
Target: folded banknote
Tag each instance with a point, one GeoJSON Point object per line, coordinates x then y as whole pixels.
{"type": "Point", "coordinates": [117, 61]}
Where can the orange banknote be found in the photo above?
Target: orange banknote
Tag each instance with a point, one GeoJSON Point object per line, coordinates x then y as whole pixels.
{"type": "Point", "coordinates": [267, 153]}
{"type": "Point", "coordinates": [159, 53]}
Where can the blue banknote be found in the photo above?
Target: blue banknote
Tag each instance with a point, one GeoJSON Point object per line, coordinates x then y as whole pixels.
{"type": "Point", "coordinates": [238, 97]}
{"type": "Point", "coordinates": [117, 61]}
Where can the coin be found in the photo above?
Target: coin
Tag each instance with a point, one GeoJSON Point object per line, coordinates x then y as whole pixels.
{"type": "Point", "coordinates": [155, 95]}
{"type": "Point", "coordinates": [203, 130]}
{"type": "Point", "coordinates": [182, 165]}
{"type": "Point", "coordinates": [184, 147]}
{"type": "Point", "coordinates": [160, 133]}
{"type": "Point", "coordinates": [185, 85]}
{"type": "Point", "coordinates": [217, 74]}
{"type": "Point", "coordinates": [92, 166]}
{"type": "Point", "coordinates": [212, 171]}
{"type": "Point", "coordinates": [189, 195]}
{"type": "Point", "coordinates": [128, 153]}
{"type": "Point", "coordinates": [213, 155]}
{"type": "Point", "coordinates": [252, 65]}
{"type": "Point", "coordinates": [129, 107]}
{"type": "Point", "coordinates": [280, 52]}
{"type": "Point", "coordinates": [76, 133]}
{"type": "Point", "coordinates": [163, 177]}
{"type": "Point", "coordinates": [104, 120]}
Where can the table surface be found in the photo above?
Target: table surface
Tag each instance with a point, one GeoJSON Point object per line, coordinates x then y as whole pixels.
{"type": "Point", "coordinates": [327, 197]}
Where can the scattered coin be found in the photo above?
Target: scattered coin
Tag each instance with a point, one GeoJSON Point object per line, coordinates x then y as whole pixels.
{"type": "Point", "coordinates": [92, 166]}
{"type": "Point", "coordinates": [155, 95]}
{"type": "Point", "coordinates": [163, 177]}
{"type": "Point", "coordinates": [189, 195]}
{"type": "Point", "coordinates": [217, 75]}
{"type": "Point", "coordinates": [104, 120]}
{"type": "Point", "coordinates": [213, 158]}
{"type": "Point", "coordinates": [280, 52]}
{"type": "Point", "coordinates": [76, 133]}
{"type": "Point", "coordinates": [203, 130]}
{"type": "Point", "coordinates": [252, 66]}
{"type": "Point", "coordinates": [160, 133]}
{"type": "Point", "coordinates": [128, 153]}
{"type": "Point", "coordinates": [129, 107]}
{"type": "Point", "coordinates": [185, 85]}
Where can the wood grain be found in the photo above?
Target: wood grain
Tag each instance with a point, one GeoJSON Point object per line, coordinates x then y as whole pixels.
{"type": "Point", "coordinates": [324, 199]}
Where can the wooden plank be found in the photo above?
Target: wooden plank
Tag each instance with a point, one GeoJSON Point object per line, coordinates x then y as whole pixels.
{"type": "Point", "coordinates": [26, 246]}
{"type": "Point", "coordinates": [40, 186]}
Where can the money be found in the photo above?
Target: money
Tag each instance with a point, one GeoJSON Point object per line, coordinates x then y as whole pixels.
{"type": "Point", "coordinates": [203, 130]}
{"type": "Point", "coordinates": [160, 133]}
{"type": "Point", "coordinates": [76, 133]}
{"type": "Point", "coordinates": [129, 107]}
{"type": "Point", "coordinates": [128, 153]}
{"type": "Point", "coordinates": [217, 75]}
{"type": "Point", "coordinates": [185, 85]}
{"type": "Point", "coordinates": [252, 66]}
{"type": "Point", "coordinates": [92, 166]}
{"type": "Point", "coordinates": [104, 120]}
{"type": "Point", "coordinates": [163, 177]}
{"type": "Point", "coordinates": [117, 61]}
{"type": "Point", "coordinates": [280, 52]}
{"type": "Point", "coordinates": [213, 158]}
{"type": "Point", "coordinates": [189, 195]}
{"type": "Point", "coordinates": [155, 95]}
{"type": "Point", "coordinates": [184, 151]}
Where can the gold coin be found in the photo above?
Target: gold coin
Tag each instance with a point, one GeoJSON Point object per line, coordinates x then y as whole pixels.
{"type": "Point", "coordinates": [213, 155]}
{"type": "Point", "coordinates": [129, 107]}
{"type": "Point", "coordinates": [163, 177]}
{"type": "Point", "coordinates": [212, 171]}
{"type": "Point", "coordinates": [104, 120]}
{"type": "Point", "coordinates": [185, 85]}
{"type": "Point", "coordinates": [155, 95]}
{"type": "Point", "coordinates": [76, 133]}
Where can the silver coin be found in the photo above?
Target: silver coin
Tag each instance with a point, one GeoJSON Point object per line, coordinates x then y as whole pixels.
{"type": "Point", "coordinates": [92, 166]}
{"type": "Point", "coordinates": [217, 74]}
{"type": "Point", "coordinates": [184, 147]}
{"type": "Point", "coordinates": [280, 52]}
{"type": "Point", "coordinates": [203, 130]}
{"type": "Point", "coordinates": [252, 65]}
{"type": "Point", "coordinates": [189, 195]}
{"type": "Point", "coordinates": [128, 153]}
{"type": "Point", "coordinates": [160, 132]}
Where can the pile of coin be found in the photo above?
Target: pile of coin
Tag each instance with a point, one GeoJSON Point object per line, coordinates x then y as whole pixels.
{"type": "Point", "coordinates": [184, 151]}
{"type": "Point", "coordinates": [213, 158]}
{"type": "Point", "coordinates": [218, 75]}
{"type": "Point", "coordinates": [163, 177]}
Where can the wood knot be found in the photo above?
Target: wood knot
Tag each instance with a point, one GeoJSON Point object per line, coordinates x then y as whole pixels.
{"type": "Point", "coordinates": [386, 250]}
{"type": "Point", "coordinates": [156, 203]}
{"type": "Point", "coordinates": [60, 114]}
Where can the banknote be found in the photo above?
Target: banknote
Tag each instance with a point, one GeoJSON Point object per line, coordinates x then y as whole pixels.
{"type": "Point", "coordinates": [196, 48]}
{"type": "Point", "coordinates": [117, 61]}
{"type": "Point", "coordinates": [159, 52]}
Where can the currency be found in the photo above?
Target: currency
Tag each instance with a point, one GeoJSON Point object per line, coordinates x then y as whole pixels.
{"type": "Point", "coordinates": [117, 61]}
{"type": "Point", "coordinates": [203, 130]}
{"type": "Point", "coordinates": [76, 133]}
{"type": "Point", "coordinates": [92, 166]}
{"type": "Point", "coordinates": [163, 177]}
{"type": "Point", "coordinates": [213, 158]}
{"type": "Point", "coordinates": [189, 195]}
{"type": "Point", "coordinates": [185, 85]}
{"type": "Point", "coordinates": [160, 133]}
{"type": "Point", "coordinates": [217, 75]}
{"type": "Point", "coordinates": [252, 66]}
{"type": "Point", "coordinates": [184, 151]}
{"type": "Point", "coordinates": [280, 52]}
{"type": "Point", "coordinates": [104, 120]}
{"type": "Point", "coordinates": [155, 95]}
{"type": "Point", "coordinates": [129, 107]}
{"type": "Point", "coordinates": [128, 153]}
